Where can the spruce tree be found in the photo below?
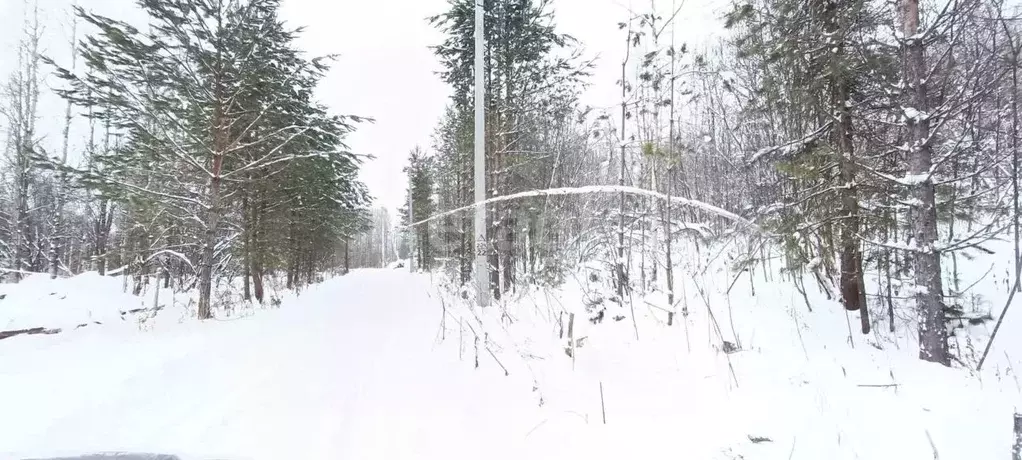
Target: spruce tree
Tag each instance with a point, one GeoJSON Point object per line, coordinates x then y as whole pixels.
{"type": "Point", "coordinates": [221, 132]}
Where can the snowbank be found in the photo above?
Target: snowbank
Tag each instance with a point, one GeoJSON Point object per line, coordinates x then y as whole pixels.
{"type": "Point", "coordinates": [64, 303]}
{"type": "Point", "coordinates": [346, 370]}
{"type": "Point", "coordinates": [749, 371]}
{"type": "Point", "coordinates": [90, 300]}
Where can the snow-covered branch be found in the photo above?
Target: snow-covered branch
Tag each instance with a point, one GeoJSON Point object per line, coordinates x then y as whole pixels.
{"type": "Point", "coordinates": [601, 189]}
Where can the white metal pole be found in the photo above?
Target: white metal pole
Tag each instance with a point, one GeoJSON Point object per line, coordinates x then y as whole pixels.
{"type": "Point", "coordinates": [481, 270]}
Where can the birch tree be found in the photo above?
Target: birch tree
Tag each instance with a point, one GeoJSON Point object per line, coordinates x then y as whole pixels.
{"type": "Point", "coordinates": [22, 99]}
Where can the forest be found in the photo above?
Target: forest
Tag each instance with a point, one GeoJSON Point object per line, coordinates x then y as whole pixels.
{"type": "Point", "coordinates": [871, 142]}
{"type": "Point", "coordinates": [794, 237]}
{"type": "Point", "coordinates": [868, 140]}
{"type": "Point", "coordinates": [207, 158]}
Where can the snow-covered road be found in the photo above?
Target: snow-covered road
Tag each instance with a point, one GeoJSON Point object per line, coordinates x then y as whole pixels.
{"type": "Point", "coordinates": [348, 370]}
{"type": "Point", "coordinates": [352, 369]}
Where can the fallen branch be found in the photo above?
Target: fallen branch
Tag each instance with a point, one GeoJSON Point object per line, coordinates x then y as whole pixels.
{"type": "Point", "coordinates": [933, 446]}
{"type": "Point", "coordinates": [57, 330]}
{"type": "Point", "coordinates": [23, 272]}
{"type": "Point", "coordinates": [657, 306]}
{"type": "Point", "coordinates": [141, 310]}
{"type": "Point", "coordinates": [1000, 319]}
{"type": "Point", "coordinates": [506, 373]}
{"type": "Point", "coordinates": [29, 331]}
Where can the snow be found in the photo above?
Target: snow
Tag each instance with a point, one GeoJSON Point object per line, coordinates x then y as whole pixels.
{"type": "Point", "coordinates": [795, 381]}
{"type": "Point", "coordinates": [339, 372]}
{"type": "Point", "coordinates": [787, 149]}
{"type": "Point", "coordinates": [908, 180]}
{"type": "Point", "coordinates": [602, 189]}
{"type": "Point", "coordinates": [914, 114]}
{"type": "Point", "coordinates": [913, 179]}
{"type": "Point", "coordinates": [38, 301]}
{"type": "Point", "coordinates": [380, 364]}
{"type": "Point", "coordinates": [894, 244]}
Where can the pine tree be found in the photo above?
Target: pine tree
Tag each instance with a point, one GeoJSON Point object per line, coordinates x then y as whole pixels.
{"type": "Point", "coordinates": [420, 171]}
{"type": "Point", "coordinates": [815, 69]}
{"type": "Point", "coordinates": [529, 83]}
{"type": "Point", "coordinates": [220, 132]}
{"type": "Point", "coordinates": [933, 344]}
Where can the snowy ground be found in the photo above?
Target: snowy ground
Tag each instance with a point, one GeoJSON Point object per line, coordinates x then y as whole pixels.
{"type": "Point", "coordinates": [346, 371]}
{"type": "Point", "coordinates": [380, 364]}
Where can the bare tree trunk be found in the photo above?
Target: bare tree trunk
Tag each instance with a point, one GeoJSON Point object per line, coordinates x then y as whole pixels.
{"type": "Point", "coordinates": [57, 218]}
{"type": "Point", "coordinates": [211, 220]}
{"type": "Point", "coordinates": [1016, 49]}
{"type": "Point", "coordinates": [1016, 448]}
{"type": "Point", "coordinates": [668, 236]}
{"type": "Point", "coordinates": [24, 93]}
{"type": "Point", "coordinates": [347, 260]}
{"type": "Point", "coordinates": [621, 275]}
{"type": "Point", "coordinates": [510, 259]}
{"type": "Point", "coordinates": [933, 334]}
{"type": "Point", "coordinates": [493, 215]}
{"type": "Point", "coordinates": [852, 283]}
{"type": "Point", "coordinates": [383, 242]}
{"type": "Point", "coordinates": [853, 295]}
{"type": "Point", "coordinates": [247, 262]}
{"type": "Point", "coordinates": [257, 257]}
{"type": "Point", "coordinates": [103, 223]}
{"type": "Point", "coordinates": [292, 243]}
{"type": "Point", "coordinates": [1014, 152]}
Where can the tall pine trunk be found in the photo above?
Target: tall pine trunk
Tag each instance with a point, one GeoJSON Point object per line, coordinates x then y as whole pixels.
{"type": "Point", "coordinates": [102, 230]}
{"type": "Point", "coordinates": [852, 285]}
{"type": "Point", "coordinates": [257, 256]}
{"type": "Point", "coordinates": [933, 333]}
{"type": "Point", "coordinates": [853, 295]}
{"type": "Point", "coordinates": [246, 213]}
{"type": "Point", "coordinates": [466, 252]}
{"type": "Point", "coordinates": [212, 215]}
{"type": "Point", "coordinates": [209, 241]}
{"type": "Point", "coordinates": [347, 260]}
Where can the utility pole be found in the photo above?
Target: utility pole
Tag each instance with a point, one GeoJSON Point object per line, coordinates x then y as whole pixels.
{"type": "Point", "coordinates": [481, 271]}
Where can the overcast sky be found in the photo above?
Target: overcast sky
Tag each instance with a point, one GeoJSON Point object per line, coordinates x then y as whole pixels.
{"type": "Point", "coordinates": [385, 69]}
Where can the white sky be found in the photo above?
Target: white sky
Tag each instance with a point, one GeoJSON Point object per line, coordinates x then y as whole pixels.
{"type": "Point", "coordinates": [385, 69]}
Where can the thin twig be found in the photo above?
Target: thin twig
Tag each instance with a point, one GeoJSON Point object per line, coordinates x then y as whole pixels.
{"type": "Point", "coordinates": [997, 327]}
{"type": "Point", "coordinates": [506, 373]}
{"type": "Point", "coordinates": [936, 456]}
{"type": "Point", "coordinates": [603, 407]}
